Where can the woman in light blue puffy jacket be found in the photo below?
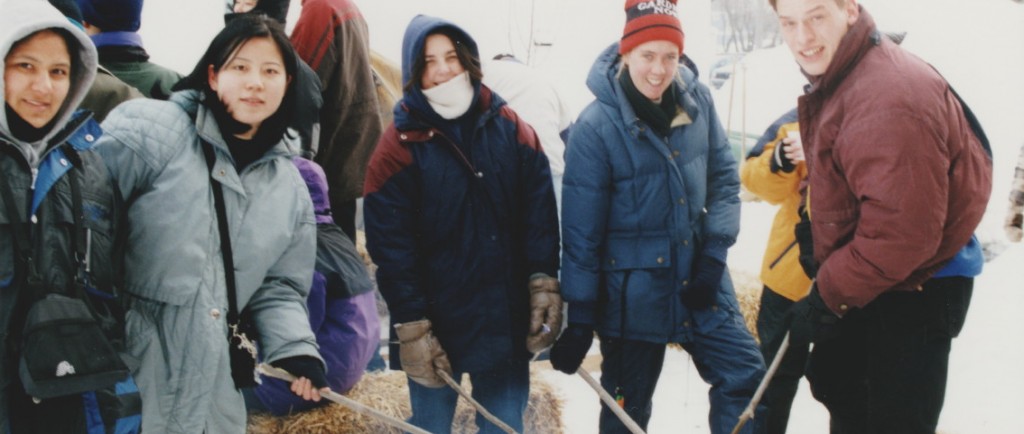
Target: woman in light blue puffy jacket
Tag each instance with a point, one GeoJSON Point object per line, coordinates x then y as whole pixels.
{"type": "Point", "coordinates": [237, 104]}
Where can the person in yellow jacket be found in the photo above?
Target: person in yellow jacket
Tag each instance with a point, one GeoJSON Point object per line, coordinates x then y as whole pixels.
{"type": "Point", "coordinates": [774, 171]}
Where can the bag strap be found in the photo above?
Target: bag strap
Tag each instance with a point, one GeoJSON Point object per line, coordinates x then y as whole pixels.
{"type": "Point", "coordinates": [225, 236]}
{"type": "Point", "coordinates": [972, 120]}
{"type": "Point", "coordinates": [81, 242]}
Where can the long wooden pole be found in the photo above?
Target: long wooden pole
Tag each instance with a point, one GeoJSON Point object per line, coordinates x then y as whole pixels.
{"type": "Point", "coordinates": [748, 413]}
{"type": "Point", "coordinates": [347, 402]}
{"type": "Point", "coordinates": [469, 398]}
{"type": "Point", "coordinates": [610, 402]}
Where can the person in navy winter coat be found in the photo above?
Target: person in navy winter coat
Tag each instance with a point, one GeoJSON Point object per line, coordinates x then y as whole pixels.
{"type": "Point", "coordinates": [461, 221]}
{"type": "Point", "coordinates": [650, 207]}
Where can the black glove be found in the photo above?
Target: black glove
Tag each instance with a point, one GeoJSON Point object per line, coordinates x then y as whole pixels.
{"type": "Point", "coordinates": [706, 277]}
{"type": "Point", "coordinates": [809, 321]}
{"type": "Point", "coordinates": [780, 161]}
{"type": "Point", "coordinates": [304, 366]}
{"type": "Point", "coordinates": [805, 243]}
{"type": "Point", "coordinates": [571, 347]}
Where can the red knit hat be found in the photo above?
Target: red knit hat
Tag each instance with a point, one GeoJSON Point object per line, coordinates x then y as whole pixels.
{"type": "Point", "coordinates": [651, 20]}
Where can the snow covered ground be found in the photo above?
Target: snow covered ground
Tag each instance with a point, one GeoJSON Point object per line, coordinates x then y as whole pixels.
{"type": "Point", "coordinates": [977, 44]}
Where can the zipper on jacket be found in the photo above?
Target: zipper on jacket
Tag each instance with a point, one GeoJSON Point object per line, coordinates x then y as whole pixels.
{"type": "Point", "coordinates": [781, 255]}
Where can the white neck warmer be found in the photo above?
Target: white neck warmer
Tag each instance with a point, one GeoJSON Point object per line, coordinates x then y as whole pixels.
{"type": "Point", "coordinates": [452, 98]}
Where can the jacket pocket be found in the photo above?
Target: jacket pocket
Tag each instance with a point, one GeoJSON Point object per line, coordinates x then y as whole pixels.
{"type": "Point", "coordinates": [638, 286]}
{"type": "Point", "coordinates": [637, 253]}
{"type": "Point", "coordinates": [833, 228]}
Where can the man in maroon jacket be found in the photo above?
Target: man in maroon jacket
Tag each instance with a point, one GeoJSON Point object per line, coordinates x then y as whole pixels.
{"type": "Point", "coordinates": [332, 37]}
{"type": "Point", "coordinates": [899, 179]}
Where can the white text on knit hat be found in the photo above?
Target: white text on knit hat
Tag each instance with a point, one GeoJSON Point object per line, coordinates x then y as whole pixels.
{"type": "Point", "coordinates": [662, 7]}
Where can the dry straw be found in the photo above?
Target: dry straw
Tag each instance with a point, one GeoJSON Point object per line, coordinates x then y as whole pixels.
{"type": "Point", "coordinates": [748, 294]}
{"type": "Point", "coordinates": [388, 392]}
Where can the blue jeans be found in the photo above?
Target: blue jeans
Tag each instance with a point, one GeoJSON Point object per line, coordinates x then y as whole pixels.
{"type": "Point", "coordinates": [503, 392]}
{"type": "Point", "coordinates": [726, 357]}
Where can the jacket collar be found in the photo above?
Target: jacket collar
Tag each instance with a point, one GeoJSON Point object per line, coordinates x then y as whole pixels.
{"type": "Point", "coordinates": [207, 129]}
{"type": "Point", "coordinates": [414, 113]}
{"type": "Point", "coordinates": [854, 45]}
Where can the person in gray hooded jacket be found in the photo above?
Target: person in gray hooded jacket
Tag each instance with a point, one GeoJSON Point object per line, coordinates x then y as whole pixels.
{"type": "Point", "coordinates": [48, 67]}
{"type": "Point", "coordinates": [237, 102]}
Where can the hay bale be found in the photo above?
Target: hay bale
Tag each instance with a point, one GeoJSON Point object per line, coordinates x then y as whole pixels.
{"type": "Point", "coordinates": [388, 393]}
{"type": "Point", "coordinates": [543, 410]}
{"type": "Point", "coordinates": [748, 293]}
{"type": "Point", "coordinates": [361, 248]}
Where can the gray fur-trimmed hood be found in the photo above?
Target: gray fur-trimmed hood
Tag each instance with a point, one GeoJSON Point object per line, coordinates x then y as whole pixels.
{"type": "Point", "coordinates": [21, 18]}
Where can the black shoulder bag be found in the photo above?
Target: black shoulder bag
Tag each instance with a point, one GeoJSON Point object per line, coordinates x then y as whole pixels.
{"type": "Point", "coordinates": [241, 330]}
{"type": "Point", "coordinates": [64, 350]}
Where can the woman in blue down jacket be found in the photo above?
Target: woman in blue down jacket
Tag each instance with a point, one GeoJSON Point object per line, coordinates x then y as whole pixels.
{"type": "Point", "coordinates": [649, 209]}
{"type": "Point", "coordinates": [461, 221]}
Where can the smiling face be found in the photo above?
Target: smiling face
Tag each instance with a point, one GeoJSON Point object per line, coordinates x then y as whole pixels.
{"type": "Point", "coordinates": [37, 77]}
{"type": "Point", "coordinates": [441, 61]}
{"type": "Point", "coordinates": [813, 29]}
{"type": "Point", "coordinates": [252, 83]}
{"type": "Point", "coordinates": [652, 67]}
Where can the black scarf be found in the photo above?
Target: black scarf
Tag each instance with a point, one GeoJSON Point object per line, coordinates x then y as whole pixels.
{"type": "Point", "coordinates": [22, 130]}
{"type": "Point", "coordinates": [244, 151]}
{"type": "Point", "coordinates": [656, 115]}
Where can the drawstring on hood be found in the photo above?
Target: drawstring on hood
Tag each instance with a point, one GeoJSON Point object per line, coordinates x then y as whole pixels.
{"type": "Point", "coordinates": [22, 18]}
{"type": "Point", "coordinates": [452, 98]}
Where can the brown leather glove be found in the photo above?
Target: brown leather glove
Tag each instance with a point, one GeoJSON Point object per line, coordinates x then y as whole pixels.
{"type": "Point", "coordinates": [421, 353]}
{"type": "Point", "coordinates": [545, 312]}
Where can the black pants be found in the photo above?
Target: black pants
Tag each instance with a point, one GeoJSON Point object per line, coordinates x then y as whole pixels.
{"type": "Point", "coordinates": [886, 370]}
{"type": "Point", "coordinates": [629, 372]}
{"type": "Point", "coordinates": [778, 398]}
{"type": "Point", "coordinates": [344, 215]}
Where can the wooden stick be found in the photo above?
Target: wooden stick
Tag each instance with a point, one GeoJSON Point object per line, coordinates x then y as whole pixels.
{"type": "Point", "coordinates": [480, 408]}
{"type": "Point", "coordinates": [610, 402]}
{"type": "Point", "coordinates": [748, 413]}
{"type": "Point", "coordinates": [345, 401]}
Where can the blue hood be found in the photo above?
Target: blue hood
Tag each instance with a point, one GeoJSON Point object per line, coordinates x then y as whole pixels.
{"type": "Point", "coordinates": [603, 82]}
{"type": "Point", "coordinates": [416, 35]}
{"type": "Point", "coordinates": [412, 47]}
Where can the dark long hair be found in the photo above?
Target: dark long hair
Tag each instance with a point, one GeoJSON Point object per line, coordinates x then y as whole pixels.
{"type": "Point", "coordinates": [466, 57]}
{"type": "Point", "coordinates": [221, 49]}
